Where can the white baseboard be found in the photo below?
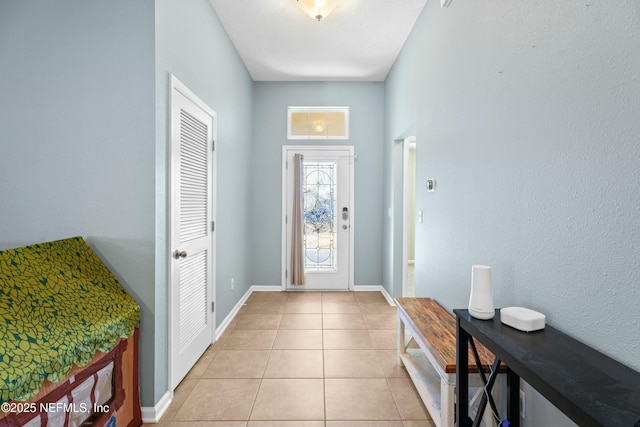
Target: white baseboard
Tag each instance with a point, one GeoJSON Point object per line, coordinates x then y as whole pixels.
{"type": "Point", "coordinates": [227, 320]}
{"type": "Point", "coordinates": [376, 288]}
{"type": "Point", "coordinates": [276, 288]}
{"type": "Point", "coordinates": [152, 415]}
{"type": "Point", "coordinates": [388, 297]}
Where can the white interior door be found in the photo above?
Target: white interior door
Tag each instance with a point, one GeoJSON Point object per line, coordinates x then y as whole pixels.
{"type": "Point", "coordinates": [191, 223]}
{"type": "Point", "coordinates": [327, 216]}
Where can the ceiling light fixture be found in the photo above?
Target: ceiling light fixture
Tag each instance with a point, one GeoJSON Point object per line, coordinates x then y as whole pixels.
{"type": "Point", "coordinates": [317, 9]}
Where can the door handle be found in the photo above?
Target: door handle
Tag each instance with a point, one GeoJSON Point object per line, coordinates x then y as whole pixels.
{"type": "Point", "coordinates": [179, 254]}
{"type": "Point", "coordinates": [345, 213]}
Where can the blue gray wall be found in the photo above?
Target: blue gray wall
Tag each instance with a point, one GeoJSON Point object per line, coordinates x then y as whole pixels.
{"type": "Point", "coordinates": [526, 113]}
{"type": "Point", "coordinates": [77, 133]}
{"type": "Point", "coordinates": [366, 102]}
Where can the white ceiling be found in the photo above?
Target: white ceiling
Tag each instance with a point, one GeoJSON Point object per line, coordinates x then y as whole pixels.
{"type": "Point", "coordinates": [278, 41]}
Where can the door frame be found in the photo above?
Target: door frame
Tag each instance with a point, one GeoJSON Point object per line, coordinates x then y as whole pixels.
{"type": "Point", "coordinates": [302, 149]}
{"type": "Point", "coordinates": [176, 85]}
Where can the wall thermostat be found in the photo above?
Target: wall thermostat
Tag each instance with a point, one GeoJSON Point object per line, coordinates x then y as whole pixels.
{"type": "Point", "coordinates": [431, 185]}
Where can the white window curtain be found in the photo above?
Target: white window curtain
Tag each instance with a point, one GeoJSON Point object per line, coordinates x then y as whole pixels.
{"type": "Point", "coordinates": [297, 248]}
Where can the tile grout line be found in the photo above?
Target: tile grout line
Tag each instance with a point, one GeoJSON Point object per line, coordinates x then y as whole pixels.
{"type": "Point", "coordinates": [271, 349]}
{"type": "Point", "coordinates": [324, 369]}
{"type": "Point", "coordinates": [255, 398]}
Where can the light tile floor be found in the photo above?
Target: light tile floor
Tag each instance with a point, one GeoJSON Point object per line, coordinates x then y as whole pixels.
{"type": "Point", "coordinates": [303, 359]}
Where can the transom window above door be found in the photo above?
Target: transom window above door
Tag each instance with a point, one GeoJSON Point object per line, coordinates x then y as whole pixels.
{"type": "Point", "coordinates": [318, 123]}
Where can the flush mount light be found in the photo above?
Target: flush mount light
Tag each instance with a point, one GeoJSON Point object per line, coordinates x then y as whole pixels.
{"type": "Point", "coordinates": [317, 9]}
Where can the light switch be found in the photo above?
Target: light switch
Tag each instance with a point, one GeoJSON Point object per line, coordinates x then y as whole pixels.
{"type": "Point", "coordinates": [420, 216]}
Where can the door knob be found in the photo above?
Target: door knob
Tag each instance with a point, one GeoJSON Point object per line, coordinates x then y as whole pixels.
{"type": "Point", "coordinates": [179, 254]}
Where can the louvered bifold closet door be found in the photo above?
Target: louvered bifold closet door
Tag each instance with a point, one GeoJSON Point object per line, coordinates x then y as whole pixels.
{"type": "Point", "coordinates": [192, 236]}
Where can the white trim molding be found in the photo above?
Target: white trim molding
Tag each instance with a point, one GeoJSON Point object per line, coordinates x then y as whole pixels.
{"type": "Point", "coordinates": [374, 288]}
{"type": "Point", "coordinates": [153, 414]}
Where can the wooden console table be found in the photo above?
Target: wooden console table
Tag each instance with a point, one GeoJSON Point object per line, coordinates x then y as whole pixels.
{"type": "Point", "coordinates": [432, 366]}
{"type": "Point", "coordinates": [589, 387]}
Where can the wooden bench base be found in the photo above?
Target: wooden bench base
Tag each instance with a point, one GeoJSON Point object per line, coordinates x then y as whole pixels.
{"type": "Point", "coordinates": [431, 363]}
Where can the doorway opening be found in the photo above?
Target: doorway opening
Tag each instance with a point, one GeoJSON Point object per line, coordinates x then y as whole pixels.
{"type": "Point", "coordinates": [408, 216]}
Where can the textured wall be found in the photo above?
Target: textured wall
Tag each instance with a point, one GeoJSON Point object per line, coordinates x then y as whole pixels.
{"type": "Point", "coordinates": [526, 113]}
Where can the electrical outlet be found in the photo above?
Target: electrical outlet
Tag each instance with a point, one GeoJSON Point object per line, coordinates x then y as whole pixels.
{"type": "Point", "coordinates": [233, 283]}
{"type": "Point", "coordinates": [523, 405]}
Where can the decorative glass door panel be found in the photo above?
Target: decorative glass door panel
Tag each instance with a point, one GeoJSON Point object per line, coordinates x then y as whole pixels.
{"type": "Point", "coordinates": [320, 206]}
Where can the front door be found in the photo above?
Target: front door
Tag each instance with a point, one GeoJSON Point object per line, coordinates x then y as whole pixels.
{"type": "Point", "coordinates": [327, 206]}
{"type": "Point", "coordinates": [191, 223]}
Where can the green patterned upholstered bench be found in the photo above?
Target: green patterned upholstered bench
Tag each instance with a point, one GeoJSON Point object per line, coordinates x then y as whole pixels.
{"type": "Point", "coordinates": [62, 309]}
